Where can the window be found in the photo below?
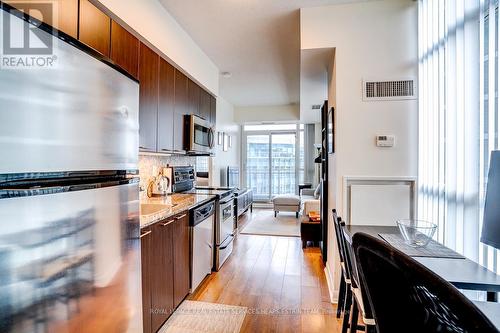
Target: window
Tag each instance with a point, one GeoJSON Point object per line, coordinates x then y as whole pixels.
{"type": "Point", "coordinates": [273, 159]}
{"type": "Point", "coordinates": [270, 127]}
{"type": "Point", "coordinates": [458, 75]}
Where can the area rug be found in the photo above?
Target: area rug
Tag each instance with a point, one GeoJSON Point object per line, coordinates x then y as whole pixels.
{"type": "Point", "coordinates": [202, 317]}
{"type": "Point", "coordinates": [263, 222]}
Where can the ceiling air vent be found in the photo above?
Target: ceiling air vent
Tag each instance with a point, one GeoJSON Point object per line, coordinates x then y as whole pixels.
{"type": "Point", "coordinates": [389, 90]}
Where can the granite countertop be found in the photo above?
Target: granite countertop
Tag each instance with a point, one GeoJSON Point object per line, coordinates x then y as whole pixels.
{"type": "Point", "coordinates": [173, 205]}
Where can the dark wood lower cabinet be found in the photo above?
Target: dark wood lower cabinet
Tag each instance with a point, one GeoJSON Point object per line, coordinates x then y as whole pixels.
{"type": "Point", "coordinates": [165, 269]}
{"type": "Point", "coordinates": [162, 283]}
{"type": "Point", "coordinates": [181, 258]}
{"type": "Point", "coordinates": [146, 243]}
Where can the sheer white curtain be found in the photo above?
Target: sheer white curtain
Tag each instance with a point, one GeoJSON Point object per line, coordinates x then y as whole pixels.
{"type": "Point", "coordinates": [458, 122]}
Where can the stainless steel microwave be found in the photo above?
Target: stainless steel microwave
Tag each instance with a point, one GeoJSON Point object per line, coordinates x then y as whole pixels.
{"type": "Point", "coordinates": [201, 136]}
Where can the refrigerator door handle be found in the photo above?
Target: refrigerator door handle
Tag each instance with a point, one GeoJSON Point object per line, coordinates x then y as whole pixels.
{"type": "Point", "coordinates": [34, 191]}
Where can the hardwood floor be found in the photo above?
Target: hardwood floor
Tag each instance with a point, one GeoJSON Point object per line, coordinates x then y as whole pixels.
{"type": "Point", "coordinates": [283, 286]}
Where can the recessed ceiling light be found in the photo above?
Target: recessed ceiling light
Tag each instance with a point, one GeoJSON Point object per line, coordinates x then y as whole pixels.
{"type": "Point", "coordinates": [226, 75]}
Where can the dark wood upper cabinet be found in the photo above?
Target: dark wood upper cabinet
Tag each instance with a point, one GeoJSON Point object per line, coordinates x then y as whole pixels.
{"type": "Point", "coordinates": [68, 17]}
{"type": "Point", "coordinates": [205, 106]}
{"type": "Point", "coordinates": [194, 92]}
{"type": "Point", "coordinates": [124, 49]}
{"type": "Point", "coordinates": [162, 277]}
{"type": "Point", "coordinates": [94, 28]}
{"type": "Point", "coordinates": [181, 258]}
{"type": "Point", "coordinates": [213, 111]}
{"type": "Point", "coordinates": [148, 98]}
{"type": "Point", "coordinates": [166, 107]}
{"type": "Point", "coordinates": [67, 14]}
{"type": "Point", "coordinates": [146, 273]}
{"type": "Point", "coordinates": [181, 108]}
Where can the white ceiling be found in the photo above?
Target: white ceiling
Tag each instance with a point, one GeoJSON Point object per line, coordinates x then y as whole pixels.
{"type": "Point", "coordinates": [258, 41]}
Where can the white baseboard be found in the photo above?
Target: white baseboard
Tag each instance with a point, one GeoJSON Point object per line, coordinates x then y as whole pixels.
{"type": "Point", "coordinates": [334, 294]}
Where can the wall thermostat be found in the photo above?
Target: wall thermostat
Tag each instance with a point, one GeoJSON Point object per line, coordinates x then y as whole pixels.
{"type": "Point", "coordinates": [386, 140]}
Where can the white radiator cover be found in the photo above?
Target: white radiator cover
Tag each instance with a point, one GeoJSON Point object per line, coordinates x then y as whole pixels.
{"type": "Point", "coordinates": [379, 204]}
{"type": "Point", "coordinates": [378, 201]}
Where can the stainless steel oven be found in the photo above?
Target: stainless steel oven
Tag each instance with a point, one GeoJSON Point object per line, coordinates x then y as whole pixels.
{"type": "Point", "coordinates": [201, 135]}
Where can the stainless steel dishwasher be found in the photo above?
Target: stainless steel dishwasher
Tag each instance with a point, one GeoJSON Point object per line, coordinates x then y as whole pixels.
{"type": "Point", "coordinates": [202, 242]}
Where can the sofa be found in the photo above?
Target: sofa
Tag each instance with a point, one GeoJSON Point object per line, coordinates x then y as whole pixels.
{"type": "Point", "coordinates": [310, 200]}
{"type": "Point", "coordinates": [307, 202]}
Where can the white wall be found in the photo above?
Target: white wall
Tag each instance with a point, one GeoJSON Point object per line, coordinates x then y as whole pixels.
{"type": "Point", "coordinates": [153, 22]}
{"type": "Point", "coordinates": [226, 123]}
{"type": "Point", "coordinates": [373, 40]}
{"type": "Point", "coordinates": [279, 113]}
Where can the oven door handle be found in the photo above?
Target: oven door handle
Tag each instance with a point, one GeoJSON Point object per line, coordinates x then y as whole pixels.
{"type": "Point", "coordinates": [226, 201]}
{"type": "Point", "coordinates": [223, 247]}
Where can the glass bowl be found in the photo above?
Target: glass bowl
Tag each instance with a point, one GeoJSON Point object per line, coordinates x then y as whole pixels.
{"type": "Point", "coordinates": [416, 233]}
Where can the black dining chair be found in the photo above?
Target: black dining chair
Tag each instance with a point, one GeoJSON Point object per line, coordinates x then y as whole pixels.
{"type": "Point", "coordinates": [345, 280]}
{"type": "Point", "coordinates": [405, 296]}
{"type": "Point", "coordinates": [359, 299]}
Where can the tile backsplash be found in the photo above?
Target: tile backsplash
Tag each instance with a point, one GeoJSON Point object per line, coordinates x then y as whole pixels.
{"type": "Point", "coordinates": [147, 162]}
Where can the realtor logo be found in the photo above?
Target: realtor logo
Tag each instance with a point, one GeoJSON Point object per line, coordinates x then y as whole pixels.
{"type": "Point", "coordinates": [24, 44]}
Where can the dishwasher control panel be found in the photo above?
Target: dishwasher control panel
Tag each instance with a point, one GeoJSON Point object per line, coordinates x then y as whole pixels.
{"type": "Point", "coordinates": [199, 214]}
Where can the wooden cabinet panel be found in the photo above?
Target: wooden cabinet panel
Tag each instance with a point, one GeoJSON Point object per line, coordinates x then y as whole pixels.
{"type": "Point", "coordinates": [94, 28]}
{"type": "Point", "coordinates": [162, 282]}
{"type": "Point", "coordinates": [165, 269]}
{"type": "Point", "coordinates": [194, 92]}
{"type": "Point", "coordinates": [67, 13]}
{"type": "Point", "coordinates": [166, 107]}
{"type": "Point", "coordinates": [181, 258]}
{"type": "Point", "coordinates": [213, 111]}
{"type": "Point", "coordinates": [124, 49]}
{"type": "Point", "coordinates": [205, 106]}
{"type": "Point", "coordinates": [146, 253]}
{"type": "Point", "coordinates": [148, 98]}
{"type": "Point", "coordinates": [181, 108]}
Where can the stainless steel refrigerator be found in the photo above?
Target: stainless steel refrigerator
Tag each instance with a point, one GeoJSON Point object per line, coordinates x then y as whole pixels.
{"type": "Point", "coordinates": [69, 198]}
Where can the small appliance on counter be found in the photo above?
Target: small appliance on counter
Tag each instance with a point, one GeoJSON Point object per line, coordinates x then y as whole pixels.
{"type": "Point", "coordinates": [161, 185]}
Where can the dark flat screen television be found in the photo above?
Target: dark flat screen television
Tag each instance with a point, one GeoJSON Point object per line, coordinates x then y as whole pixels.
{"type": "Point", "coordinates": [491, 218]}
{"type": "Point", "coordinates": [231, 177]}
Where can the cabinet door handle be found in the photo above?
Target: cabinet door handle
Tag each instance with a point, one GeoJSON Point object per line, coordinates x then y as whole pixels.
{"type": "Point", "coordinates": [145, 234]}
{"type": "Point", "coordinates": [167, 223]}
{"type": "Point", "coordinates": [180, 217]}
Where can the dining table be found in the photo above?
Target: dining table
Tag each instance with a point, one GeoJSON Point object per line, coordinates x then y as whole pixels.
{"type": "Point", "coordinates": [491, 311]}
{"type": "Point", "coordinates": [463, 273]}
